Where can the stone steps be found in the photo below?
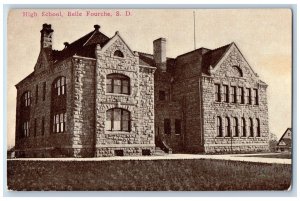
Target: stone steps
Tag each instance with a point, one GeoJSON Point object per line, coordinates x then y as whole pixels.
{"type": "Point", "coordinates": [159, 152]}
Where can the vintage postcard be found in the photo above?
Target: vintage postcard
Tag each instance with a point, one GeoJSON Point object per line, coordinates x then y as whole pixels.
{"type": "Point", "coordinates": [149, 99]}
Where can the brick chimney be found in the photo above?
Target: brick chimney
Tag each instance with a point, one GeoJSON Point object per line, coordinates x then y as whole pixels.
{"type": "Point", "coordinates": [46, 37]}
{"type": "Point", "coordinates": [159, 53]}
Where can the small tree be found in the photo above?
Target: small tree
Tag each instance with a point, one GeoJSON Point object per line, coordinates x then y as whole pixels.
{"type": "Point", "coordinates": [273, 142]}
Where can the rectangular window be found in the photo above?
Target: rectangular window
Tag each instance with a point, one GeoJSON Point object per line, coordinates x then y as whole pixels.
{"type": "Point", "coordinates": [256, 96]}
{"type": "Point", "coordinates": [162, 95]}
{"type": "Point", "coordinates": [233, 94]}
{"type": "Point", "coordinates": [217, 93]}
{"type": "Point", "coordinates": [248, 96]}
{"type": "Point", "coordinates": [244, 127]}
{"type": "Point", "coordinates": [35, 127]}
{"type": "Point", "coordinates": [36, 93]}
{"type": "Point", "coordinates": [242, 96]}
{"type": "Point", "coordinates": [167, 126]}
{"type": "Point", "coordinates": [225, 93]}
{"type": "Point", "coordinates": [219, 127]}
{"type": "Point", "coordinates": [26, 129]}
{"type": "Point", "coordinates": [125, 121]}
{"type": "Point", "coordinates": [239, 95]}
{"type": "Point", "coordinates": [44, 91]}
{"type": "Point", "coordinates": [43, 125]}
{"type": "Point", "coordinates": [177, 126]}
{"type": "Point", "coordinates": [59, 122]}
{"type": "Point", "coordinates": [63, 84]}
{"type": "Point", "coordinates": [109, 120]}
{"type": "Point", "coordinates": [235, 130]}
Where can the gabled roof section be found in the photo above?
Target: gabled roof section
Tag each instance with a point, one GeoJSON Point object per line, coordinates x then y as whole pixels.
{"type": "Point", "coordinates": [287, 141]}
{"type": "Point", "coordinates": [84, 46]}
{"type": "Point", "coordinates": [146, 59]}
{"type": "Point", "coordinates": [212, 57]}
{"type": "Point", "coordinates": [112, 40]}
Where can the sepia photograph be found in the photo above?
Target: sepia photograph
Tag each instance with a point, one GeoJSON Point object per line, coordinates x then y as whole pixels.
{"type": "Point", "coordinates": [149, 99]}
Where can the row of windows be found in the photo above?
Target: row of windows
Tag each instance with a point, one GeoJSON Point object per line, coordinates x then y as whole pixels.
{"type": "Point", "coordinates": [59, 88]}
{"type": "Point", "coordinates": [117, 119]}
{"type": "Point", "coordinates": [231, 127]}
{"type": "Point", "coordinates": [167, 126]}
{"type": "Point", "coordinates": [235, 95]}
{"type": "Point", "coordinates": [115, 83]}
{"type": "Point", "coordinates": [58, 126]}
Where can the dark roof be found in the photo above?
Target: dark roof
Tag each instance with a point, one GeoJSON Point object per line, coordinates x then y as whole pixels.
{"type": "Point", "coordinates": [212, 57]}
{"type": "Point", "coordinates": [84, 46]}
{"type": "Point", "coordinates": [148, 60]}
{"type": "Point", "coordinates": [287, 141]}
{"type": "Point", "coordinates": [31, 75]}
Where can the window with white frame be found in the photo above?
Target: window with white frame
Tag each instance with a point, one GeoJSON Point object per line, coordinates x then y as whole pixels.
{"type": "Point", "coordinates": [118, 84]}
{"type": "Point", "coordinates": [60, 86]}
{"type": "Point", "coordinates": [59, 123]}
{"type": "Point", "coordinates": [117, 119]}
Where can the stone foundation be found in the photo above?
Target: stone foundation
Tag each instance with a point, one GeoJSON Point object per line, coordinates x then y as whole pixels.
{"type": "Point", "coordinates": [227, 148]}
{"type": "Point", "coordinates": [124, 151]}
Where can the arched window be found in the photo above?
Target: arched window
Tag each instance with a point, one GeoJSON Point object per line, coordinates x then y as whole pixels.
{"type": "Point", "coordinates": [118, 84]}
{"type": "Point", "coordinates": [59, 86]}
{"type": "Point", "coordinates": [58, 105]}
{"type": "Point", "coordinates": [257, 127]}
{"type": "Point", "coordinates": [235, 130]}
{"type": "Point", "coordinates": [118, 53]}
{"type": "Point", "coordinates": [236, 71]}
{"type": "Point", "coordinates": [117, 119]}
{"type": "Point", "coordinates": [26, 99]}
{"type": "Point", "coordinates": [227, 127]}
{"type": "Point", "coordinates": [219, 127]}
{"type": "Point", "coordinates": [24, 125]}
{"type": "Point", "coordinates": [244, 133]}
{"type": "Point", "coordinates": [251, 127]}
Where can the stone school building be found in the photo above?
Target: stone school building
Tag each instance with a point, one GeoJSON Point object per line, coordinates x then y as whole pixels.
{"type": "Point", "coordinates": [97, 97]}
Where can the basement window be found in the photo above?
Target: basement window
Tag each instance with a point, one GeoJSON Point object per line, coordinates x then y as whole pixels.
{"type": "Point", "coordinates": [119, 153]}
{"type": "Point", "coordinates": [146, 152]}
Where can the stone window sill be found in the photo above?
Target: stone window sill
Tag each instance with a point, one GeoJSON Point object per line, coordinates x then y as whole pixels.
{"type": "Point", "coordinates": [117, 132]}
{"type": "Point", "coordinates": [113, 94]}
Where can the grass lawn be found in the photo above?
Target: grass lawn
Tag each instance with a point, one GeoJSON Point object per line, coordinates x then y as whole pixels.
{"type": "Point", "coordinates": [156, 175]}
{"type": "Point", "coordinates": [277, 155]}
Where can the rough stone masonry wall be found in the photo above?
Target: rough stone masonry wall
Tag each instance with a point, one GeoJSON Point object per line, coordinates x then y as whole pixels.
{"type": "Point", "coordinates": [212, 109]}
{"type": "Point", "coordinates": [140, 103]}
{"type": "Point", "coordinates": [83, 96]}
{"type": "Point", "coordinates": [50, 144]}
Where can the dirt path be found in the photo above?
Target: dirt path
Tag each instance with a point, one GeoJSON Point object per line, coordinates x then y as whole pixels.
{"type": "Point", "coordinates": [232, 157]}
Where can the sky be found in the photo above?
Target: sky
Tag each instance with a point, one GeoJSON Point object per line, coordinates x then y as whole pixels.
{"type": "Point", "coordinates": [264, 37]}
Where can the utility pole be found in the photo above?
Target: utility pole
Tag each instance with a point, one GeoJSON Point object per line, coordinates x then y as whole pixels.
{"type": "Point", "coordinates": [194, 30]}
